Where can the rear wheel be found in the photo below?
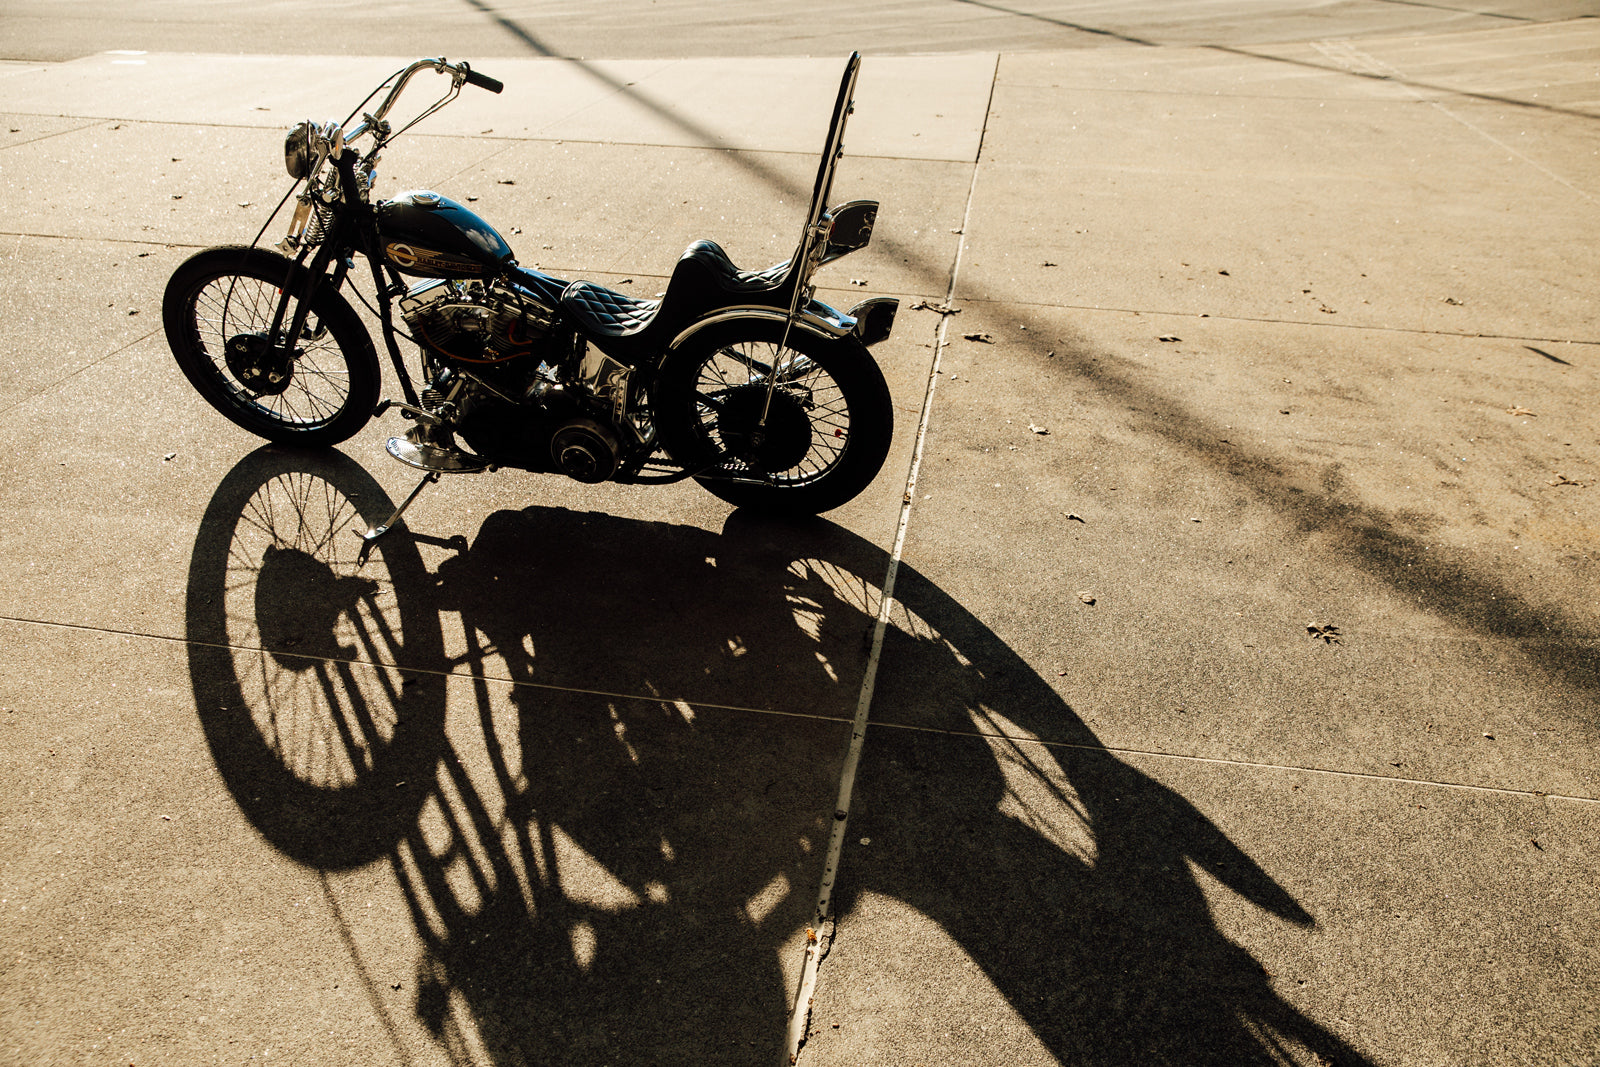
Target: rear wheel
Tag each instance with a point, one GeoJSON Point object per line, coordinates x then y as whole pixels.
{"type": "Point", "coordinates": [218, 312]}
{"type": "Point", "coordinates": [796, 428]}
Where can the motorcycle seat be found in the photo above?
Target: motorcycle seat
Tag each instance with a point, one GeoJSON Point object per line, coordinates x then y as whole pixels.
{"type": "Point", "coordinates": [606, 312]}
{"type": "Point", "coordinates": [704, 268]}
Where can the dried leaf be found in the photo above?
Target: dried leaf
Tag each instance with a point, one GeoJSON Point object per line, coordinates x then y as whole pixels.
{"type": "Point", "coordinates": [1330, 634]}
{"type": "Point", "coordinates": [985, 338]}
{"type": "Point", "coordinates": [1087, 597]}
{"type": "Point", "coordinates": [1521, 411]}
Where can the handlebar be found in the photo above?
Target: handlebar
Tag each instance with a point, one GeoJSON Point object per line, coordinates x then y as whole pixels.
{"type": "Point", "coordinates": [482, 81]}
{"type": "Point", "coordinates": [459, 73]}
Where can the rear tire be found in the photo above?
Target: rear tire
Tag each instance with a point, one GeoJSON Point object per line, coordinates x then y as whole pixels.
{"type": "Point", "coordinates": [828, 425]}
{"type": "Point", "coordinates": [217, 310]}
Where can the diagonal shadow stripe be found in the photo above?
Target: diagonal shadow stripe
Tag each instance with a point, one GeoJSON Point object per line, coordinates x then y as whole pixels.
{"type": "Point", "coordinates": [1373, 537]}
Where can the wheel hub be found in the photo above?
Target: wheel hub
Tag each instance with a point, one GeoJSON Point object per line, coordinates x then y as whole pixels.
{"type": "Point", "coordinates": [779, 445]}
{"type": "Point", "coordinates": [260, 366]}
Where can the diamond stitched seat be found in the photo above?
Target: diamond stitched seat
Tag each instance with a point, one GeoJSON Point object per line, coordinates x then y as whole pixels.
{"type": "Point", "coordinates": [606, 312]}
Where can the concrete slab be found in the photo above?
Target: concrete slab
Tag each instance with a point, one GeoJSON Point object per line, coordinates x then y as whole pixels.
{"type": "Point", "coordinates": [1241, 206]}
{"type": "Point", "coordinates": [1548, 66]}
{"type": "Point", "coordinates": [907, 107]}
{"type": "Point", "coordinates": [20, 129]}
{"type": "Point", "coordinates": [63, 29]}
{"type": "Point", "coordinates": [57, 328]}
{"type": "Point", "coordinates": [1211, 529]}
{"type": "Point", "coordinates": [1018, 902]}
{"type": "Point", "coordinates": [503, 902]}
{"type": "Point", "coordinates": [605, 719]}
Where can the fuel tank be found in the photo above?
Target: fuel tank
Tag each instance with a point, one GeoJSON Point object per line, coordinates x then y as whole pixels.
{"type": "Point", "coordinates": [427, 235]}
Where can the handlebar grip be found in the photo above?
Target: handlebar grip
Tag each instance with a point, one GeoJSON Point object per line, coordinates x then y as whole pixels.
{"type": "Point", "coordinates": [482, 81]}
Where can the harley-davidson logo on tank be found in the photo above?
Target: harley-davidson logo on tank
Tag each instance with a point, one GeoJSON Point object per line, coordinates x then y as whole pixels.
{"type": "Point", "coordinates": [416, 260]}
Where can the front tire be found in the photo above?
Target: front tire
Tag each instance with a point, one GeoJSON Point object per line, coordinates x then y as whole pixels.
{"type": "Point", "coordinates": [827, 426]}
{"type": "Point", "coordinates": [218, 310]}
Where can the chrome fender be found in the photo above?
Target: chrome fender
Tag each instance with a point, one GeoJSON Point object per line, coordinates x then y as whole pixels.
{"type": "Point", "coordinates": [869, 321]}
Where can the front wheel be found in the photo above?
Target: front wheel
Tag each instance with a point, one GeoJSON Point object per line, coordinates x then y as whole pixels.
{"type": "Point", "coordinates": [218, 312]}
{"type": "Point", "coordinates": [796, 428]}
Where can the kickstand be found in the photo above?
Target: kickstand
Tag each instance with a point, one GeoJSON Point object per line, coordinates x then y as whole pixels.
{"type": "Point", "coordinates": [370, 538]}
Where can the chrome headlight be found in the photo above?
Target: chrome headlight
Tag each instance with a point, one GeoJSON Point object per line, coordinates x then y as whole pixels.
{"type": "Point", "coordinates": [297, 150]}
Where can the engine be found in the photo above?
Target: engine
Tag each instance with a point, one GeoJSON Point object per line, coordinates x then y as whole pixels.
{"type": "Point", "coordinates": [471, 322]}
{"type": "Point", "coordinates": [517, 391]}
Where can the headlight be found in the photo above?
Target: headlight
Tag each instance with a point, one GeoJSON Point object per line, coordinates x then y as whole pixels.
{"type": "Point", "coordinates": [297, 150]}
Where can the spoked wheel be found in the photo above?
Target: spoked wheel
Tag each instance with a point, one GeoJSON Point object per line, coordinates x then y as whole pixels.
{"type": "Point", "coordinates": [218, 312]}
{"type": "Point", "coordinates": [795, 429]}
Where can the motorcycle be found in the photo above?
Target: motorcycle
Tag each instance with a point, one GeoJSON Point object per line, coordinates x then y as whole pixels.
{"type": "Point", "coordinates": [739, 379]}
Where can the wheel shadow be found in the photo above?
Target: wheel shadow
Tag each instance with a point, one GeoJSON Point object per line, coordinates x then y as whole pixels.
{"type": "Point", "coordinates": [608, 860]}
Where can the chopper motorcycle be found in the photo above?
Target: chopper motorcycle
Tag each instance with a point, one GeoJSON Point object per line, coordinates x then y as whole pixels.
{"type": "Point", "coordinates": [739, 379]}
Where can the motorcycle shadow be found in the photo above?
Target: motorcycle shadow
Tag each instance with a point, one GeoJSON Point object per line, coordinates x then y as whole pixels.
{"type": "Point", "coordinates": [606, 861]}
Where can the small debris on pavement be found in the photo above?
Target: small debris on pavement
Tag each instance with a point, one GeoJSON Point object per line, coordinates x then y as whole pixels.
{"type": "Point", "coordinates": [1169, 339]}
{"type": "Point", "coordinates": [1453, 302]}
{"type": "Point", "coordinates": [470, 199]}
{"type": "Point", "coordinates": [1042, 431]}
{"type": "Point", "coordinates": [1073, 516]}
{"type": "Point", "coordinates": [1562, 479]}
{"type": "Point", "coordinates": [506, 181]}
{"type": "Point", "coordinates": [1489, 736]}
{"type": "Point", "coordinates": [985, 338]}
{"type": "Point", "coordinates": [1521, 411]}
{"type": "Point", "coordinates": [1330, 634]}
{"type": "Point", "coordinates": [858, 281]}
{"type": "Point", "coordinates": [169, 457]}
{"type": "Point", "coordinates": [133, 311]}
{"type": "Point", "coordinates": [1087, 597]}
{"type": "Point", "coordinates": [942, 309]}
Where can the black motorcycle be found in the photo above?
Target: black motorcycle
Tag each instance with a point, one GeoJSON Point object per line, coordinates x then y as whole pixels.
{"type": "Point", "coordinates": [739, 379]}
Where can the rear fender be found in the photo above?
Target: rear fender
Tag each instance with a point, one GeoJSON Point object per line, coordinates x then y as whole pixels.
{"type": "Point", "coordinates": [815, 318]}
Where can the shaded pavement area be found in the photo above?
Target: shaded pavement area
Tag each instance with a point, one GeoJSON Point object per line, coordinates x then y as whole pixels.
{"type": "Point", "coordinates": [1210, 676]}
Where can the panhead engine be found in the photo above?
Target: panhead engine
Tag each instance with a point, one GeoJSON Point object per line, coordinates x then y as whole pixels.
{"type": "Point", "coordinates": [473, 322]}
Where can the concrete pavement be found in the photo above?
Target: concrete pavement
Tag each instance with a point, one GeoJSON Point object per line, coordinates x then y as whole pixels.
{"type": "Point", "coordinates": [1254, 335]}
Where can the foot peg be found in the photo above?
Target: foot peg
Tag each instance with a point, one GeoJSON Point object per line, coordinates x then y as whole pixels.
{"type": "Point", "coordinates": [419, 449]}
